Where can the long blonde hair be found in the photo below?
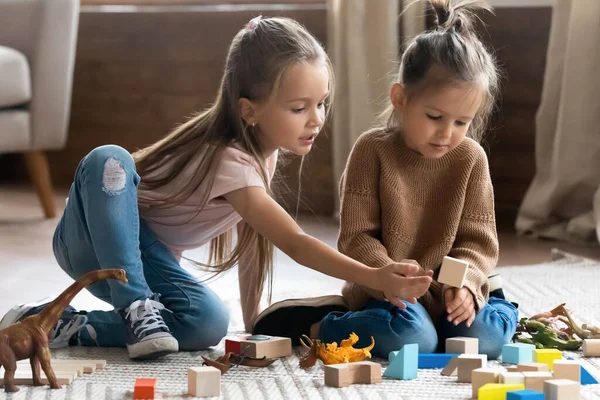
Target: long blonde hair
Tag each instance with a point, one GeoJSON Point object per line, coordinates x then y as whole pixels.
{"type": "Point", "coordinates": [454, 49]}
{"type": "Point", "coordinates": [258, 56]}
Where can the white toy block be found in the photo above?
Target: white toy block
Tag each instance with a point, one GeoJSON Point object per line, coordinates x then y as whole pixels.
{"type": "Point", "coordinates": [453, 272]}
{"type": "Point", "coordinates": [462, 345]}
{"type": "Point", "coordinates": [512, 378]}
{"type": "Point", "coordinates": [482, 376]}
{"type": "Point", "coordinates": [204, 382]}
{"type": "Point", "coordinates": [467, 363]}
{"type": "Point", "coordinates": [591, 347]}
{"type": "Point", "coordinates": [561, 389]}
{"type": "Point", "coordinates": [567, 369]}
{"type": "Point", "coordinates": [535, 380]}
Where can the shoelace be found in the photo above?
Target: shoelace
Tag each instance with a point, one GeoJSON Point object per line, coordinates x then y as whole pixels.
{"type": "Point", "coordinates": [62, 336]}
{"type": "Point", "coordinates": [147, 313]}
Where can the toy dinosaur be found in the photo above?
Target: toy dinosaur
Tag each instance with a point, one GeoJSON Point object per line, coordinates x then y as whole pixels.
{"type": "Point", "coordinates": [29, 338]}
{"type": "Point", "coordinates": [330, 353]}
{"type": "Point", "coordinates": [228, 360]}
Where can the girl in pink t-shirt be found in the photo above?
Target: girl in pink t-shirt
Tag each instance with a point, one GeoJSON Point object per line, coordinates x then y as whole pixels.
{"type": "Point", "coordinates": [209, 176]}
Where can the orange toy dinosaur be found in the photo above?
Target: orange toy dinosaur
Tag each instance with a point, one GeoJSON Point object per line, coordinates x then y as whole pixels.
{"type": "Point", "coordinates": [29, 338]}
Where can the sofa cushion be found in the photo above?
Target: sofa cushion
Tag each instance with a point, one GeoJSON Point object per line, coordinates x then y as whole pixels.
{"type": "Point", "coordinates": [15, 78]}
{"type": "Point", "coordinates": [15, 132]}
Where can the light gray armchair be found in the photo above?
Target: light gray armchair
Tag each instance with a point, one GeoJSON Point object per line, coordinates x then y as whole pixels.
{"type": "Point", "coordinates": [37, 57]}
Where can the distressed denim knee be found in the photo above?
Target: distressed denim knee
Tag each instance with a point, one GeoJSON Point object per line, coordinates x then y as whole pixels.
{"type": "Point", "coordinates": [111, 165]}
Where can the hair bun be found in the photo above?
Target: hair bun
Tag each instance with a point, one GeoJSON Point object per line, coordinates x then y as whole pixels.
{"type": "Point", "coordinates": [457, 15]}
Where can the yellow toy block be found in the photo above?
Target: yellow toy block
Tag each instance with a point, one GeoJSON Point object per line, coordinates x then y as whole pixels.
{"type": "Point", "coordinates": [496, 391]}
{"type": "Point", "coordinates": [547, 356]}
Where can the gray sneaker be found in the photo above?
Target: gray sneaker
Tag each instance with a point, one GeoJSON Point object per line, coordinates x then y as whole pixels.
{"type": "Point", "coordinates": [147, 335]}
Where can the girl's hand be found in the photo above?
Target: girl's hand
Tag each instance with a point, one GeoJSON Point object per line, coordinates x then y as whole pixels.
{"type": "Point", "coordinates": [460, 305]}
{"type": "Point", "coordinates": [403, 281]}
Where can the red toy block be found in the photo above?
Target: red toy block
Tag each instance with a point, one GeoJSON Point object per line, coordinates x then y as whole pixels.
{"type": "Point", "coordinates": [144, 388]}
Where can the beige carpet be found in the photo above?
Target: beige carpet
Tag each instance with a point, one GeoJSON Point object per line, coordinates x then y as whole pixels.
{"type": "Point", "coordinates": [569, 278]}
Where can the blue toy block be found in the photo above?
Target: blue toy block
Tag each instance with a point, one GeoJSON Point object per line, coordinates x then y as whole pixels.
{"type": "Point", "coordinates": [435, 360]}
{"type": "Point", "coordinates": [524, 394]}
{"type": "Point", "coordinates": [517, 353]}
{"type": "Point", "coordinates": [586, 377]}
{"type": "Point", "coordinates": [403, 363]}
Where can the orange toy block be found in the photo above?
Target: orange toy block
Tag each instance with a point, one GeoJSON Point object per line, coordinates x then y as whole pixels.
{"type": "Point", "coordinates": [341, 375]}
{"type": "Point", "coordinates": [144, 388]}
{"type": "Point", "coordinates": [453, 272]}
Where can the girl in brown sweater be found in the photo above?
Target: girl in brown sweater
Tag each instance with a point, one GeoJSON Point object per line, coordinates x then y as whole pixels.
{"type": "Point", "coordinates": [415, 190]}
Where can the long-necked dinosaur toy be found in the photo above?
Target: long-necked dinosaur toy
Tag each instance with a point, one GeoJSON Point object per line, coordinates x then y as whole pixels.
{"type": "Point", "coordinates": [29, 338]}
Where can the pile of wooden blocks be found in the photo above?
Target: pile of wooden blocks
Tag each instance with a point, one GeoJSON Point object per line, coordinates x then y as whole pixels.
{"type": "Point", "coordinates": [66, 371]}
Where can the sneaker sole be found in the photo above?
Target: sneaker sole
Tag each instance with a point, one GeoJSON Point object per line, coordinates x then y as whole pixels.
{"type": "Point", "coordinates": [330, 300]}
{"type": "Point", "coordinates": [152, 349]}
{"type": "Point", "coordinates": [15, 313]}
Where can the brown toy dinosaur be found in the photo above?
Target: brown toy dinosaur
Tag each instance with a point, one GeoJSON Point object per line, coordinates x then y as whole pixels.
{"type": "Point", "coordinates": [29, 338]}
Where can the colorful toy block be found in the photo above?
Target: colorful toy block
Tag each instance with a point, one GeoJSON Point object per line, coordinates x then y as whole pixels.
{"type": "Point", "coordinates": [567, 369]}
{"type": "Point", "coordinates": [467, 363]}
{"type": "Point", "coordinates": [259, 346]}
{"type": "Point", "coordinates": [532, 367]}
{"type": "Point", "coordinates": [404, 363]}
{"type": "Point", "coordinates": [435, 360]}
{"type": "Point", "coordinates": [144, 388]}
{"type": "Point", "coordinates": [561, 389]}
{"type": "Point", "coordinates": [591, 347]}
{"type": "Point", "coordinates": [586, 377]}
{"type": "Point", "coordinates": [482, 376]}
{"type": "Point", "coordinates": [342, 375]}
{"type": "Point", "coordinates": [512, 378]}
{"type": "Point", "coordinates": [524, 395]}
{"type": "Point", "coordinates": [462, 345]}
{"type": "Point", "coordinates": [496, 391]}
{"type": "Point", "coordinates": [204, 382]}
{"type": "Point", "coordinates": [547, 356]}
{"type": "Point", "coordinates": [535, 380]}
{"type": "Point", "coordinates": [517, 353]}
{"type": "Point", "coordinates": [453, 272]}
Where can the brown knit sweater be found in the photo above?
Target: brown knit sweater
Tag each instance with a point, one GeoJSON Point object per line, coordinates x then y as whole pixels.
{"type": "Point", "coordinates": [396, 205]}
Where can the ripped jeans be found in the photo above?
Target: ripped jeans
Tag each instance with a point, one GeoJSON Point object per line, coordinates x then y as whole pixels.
{"type": "Point", "coordinates": [101, 228]}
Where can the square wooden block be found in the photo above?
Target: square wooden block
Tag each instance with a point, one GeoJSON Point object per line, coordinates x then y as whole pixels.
{"type": "Point", "coordinates": [591, 347]}
{"type": "Point", "coordinates": [512, 378]}
{"type": "Point", "coordinates": [341, 375]}
{"type": "Point", "coordinates": [453, 272]}
{"type": "Point", "coordinates": [567, 369]}
{"type": "Point", "coordinates": [535, 380]}
{"type": "Point", "coordinates": [561, 389]}
{"type": "Point", "coordinates": [532, 367]}
{"type": "Point", "coordinates": [467, 363]}
{"type": "Point", "coordinates": [259, 346]}
{"type": "Point", "coordinates": [462, 345]}
{"type": "Point", "coordinates": [204, 382]}
{"type": "Point", "coordinates": [145, 388]}
{"type": "Point", "coordinates": [482, 376]}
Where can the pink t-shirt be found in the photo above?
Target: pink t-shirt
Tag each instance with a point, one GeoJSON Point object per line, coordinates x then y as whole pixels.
{"type": "Point", "coordinates": [182, 227]}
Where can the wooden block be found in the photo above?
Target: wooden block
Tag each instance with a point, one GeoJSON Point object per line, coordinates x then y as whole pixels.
{"type": "Point", "coordinates": [496, 391]}
{"type": "Point", "coordinates": [204, 382]}
{"type": "Point", "coordinates": [547, 356]}
{"type": "Point", "coordinates": [26, 377]}
{"type": "Point", "coordinates": [404, 363]}
{"type": "Point", "coordinates": [512, 378]}
{"type": "Point", "coordinates": [341, 375]}
{"type": "Point", "coordinates": [259, 346]}
{"type": "Point", "coordinates": [517, 353]}
{"type": "Point", "coordinates": [535, 380]}
{"type": "Point", "coordinates": [524, 395]}
{"type": "Point", "coordinates": [561, 389]}
{"type": "Point", "coordinates": [482, 376]}
{"type": "Point", "coordinates": [435, 360]}
{"type": "Point", "coordinates": [89, 366]}
{"type": "Point", "coordinates": [76, 368]}
{"type": "Point", "coordinates": [453, 272]}
{"type": "Point", "coordinates": [567, 369]}
{"type": "Point", "coordinates": [467, 363]}
{"type": "Point", "coordinates": [144, 388]}
{"type": "Point", "coordinates": [532, 367]}
{"type": "Point", "coordinates": [512, 368]}
{"type": "Point", "coordinates": [451, 368]}
{"type": "Point", "coordinates": [462, 345]}
{"type": "Point", "coordinates": [591, 347]}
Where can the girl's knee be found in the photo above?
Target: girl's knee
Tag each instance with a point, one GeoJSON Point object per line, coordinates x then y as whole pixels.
{"type": "Point", "coordinates": [202, 327]}
{"type": "Point", "coordinates": [114, 165]}
{"type": "Point", "coordinates": [424, 335]}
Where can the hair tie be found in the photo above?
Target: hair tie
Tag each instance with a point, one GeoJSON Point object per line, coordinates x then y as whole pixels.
{"type": "Point", "coordinates": [253, 23]}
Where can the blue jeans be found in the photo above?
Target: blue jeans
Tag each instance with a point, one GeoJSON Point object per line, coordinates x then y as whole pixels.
{"type": "Point", "coordinates": [392, 328]}
{"type": "Point", "coordinates": [101, 229]}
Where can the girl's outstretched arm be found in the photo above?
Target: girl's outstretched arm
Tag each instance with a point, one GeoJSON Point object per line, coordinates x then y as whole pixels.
{"type": "Point", "coordinates": [269, 219]}
{"type": "Point", "coordinates": [250, 286]}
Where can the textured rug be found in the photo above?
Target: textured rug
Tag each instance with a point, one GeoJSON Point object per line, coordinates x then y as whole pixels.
{"type": "Point", "coordinates": [567, 278]}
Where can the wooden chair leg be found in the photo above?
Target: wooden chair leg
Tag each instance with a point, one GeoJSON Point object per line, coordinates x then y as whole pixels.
{"type": "Point", "coordinates": [39, 172]}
